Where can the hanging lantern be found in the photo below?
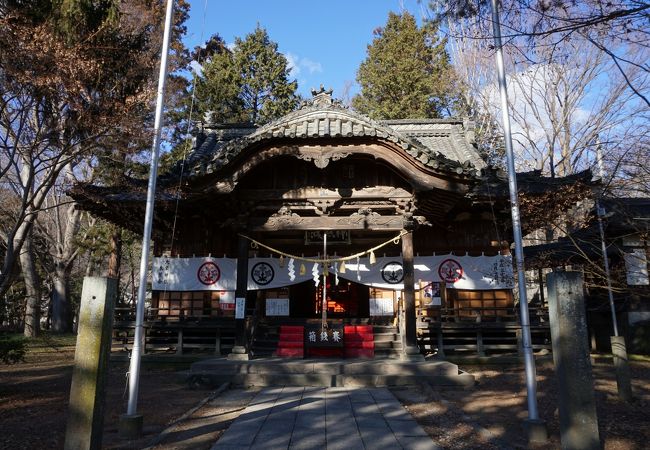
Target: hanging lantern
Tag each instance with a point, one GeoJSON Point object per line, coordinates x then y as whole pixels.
{"type": "Point", "coordinates": [303, 269]}
{"type": "Point", "coordinates": [281, 261]}
{"type": "Point", "coordinates": [373, 258]}
{"type": "Point", "coordinates": [342, 268]}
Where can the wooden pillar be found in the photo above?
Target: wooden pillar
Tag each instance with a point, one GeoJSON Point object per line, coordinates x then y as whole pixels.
{"type": "Point", "coordinates": [480, 348]}
{"type": "Point", "coordinates": [441, 342]}
{"type": "Point", "coordinates": [240, 350]}
{"type": "Point", "coordinates": [217, 343]}
{"type": "Point", "coordinates": [411, 350]}
{"type": "Point", "coordinates": [179, 341]}
{"type": "Point", "coordinates": [540, 279]}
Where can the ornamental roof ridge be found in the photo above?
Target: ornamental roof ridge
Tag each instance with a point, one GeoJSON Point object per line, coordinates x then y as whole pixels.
{"type": "Point", "coordinates": [323, 117]}
{"type": "Point", "coordinates": [332, 111]}
{"type": "Point", "coordinates": [448, 120]}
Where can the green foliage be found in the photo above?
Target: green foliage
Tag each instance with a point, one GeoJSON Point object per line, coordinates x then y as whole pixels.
{"type": "Point", "coordinates": [95, 240]}
{"type": "Point", "coordinates": [12, 306]}
{"type": "Point", "coordinates": [50, 342]}
{"type": "Point", "coordinates": [407, 73]}
{"type": "Point", "coordinates": [71, 18]}
{"type": "Point", "coordinates": [218, 89]}
{"type": "Point", "coordinates": [12, 348]}
{"type": "Point", "coordinates": [78, 17]}
{"type": "Point", "coordinates": [169, 159]}
{"type": "Point", "coordinates": [248, 84]}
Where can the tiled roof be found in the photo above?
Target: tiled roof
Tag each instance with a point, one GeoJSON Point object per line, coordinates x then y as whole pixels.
{"type": "Point", "coordinates": [439, 144]}
{"type": "Point", "coordinates": [447, 136]}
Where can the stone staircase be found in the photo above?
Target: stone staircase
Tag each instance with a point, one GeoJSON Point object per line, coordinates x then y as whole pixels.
{"type": "Point", "coordinates": [385, 369]}
{"type": "Point", "coordinates": [327, 372]}
{"type": "Point", "coordinates": [388, 342]}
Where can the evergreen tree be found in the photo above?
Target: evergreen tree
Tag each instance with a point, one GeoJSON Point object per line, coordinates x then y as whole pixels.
{"type": "Point", "coordinates": [250, 83]}
{"type": "Point", "coordinates": [407, 73]}
{"type": "Point", "coordinates": [218, 88]}
{"type": "Point", "coordinates": [266, 91]}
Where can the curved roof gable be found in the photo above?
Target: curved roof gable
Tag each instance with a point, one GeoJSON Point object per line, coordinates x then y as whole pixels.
{"type": "Point", "coordinates": [439, 144]}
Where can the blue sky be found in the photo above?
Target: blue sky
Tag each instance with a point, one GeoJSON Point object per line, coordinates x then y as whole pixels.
{"type": "Point", "coordinates": [325, 41]}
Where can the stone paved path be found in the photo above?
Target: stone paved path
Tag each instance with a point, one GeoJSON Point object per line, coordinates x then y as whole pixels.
{"type": "Point", "coordinates": [324, 418]}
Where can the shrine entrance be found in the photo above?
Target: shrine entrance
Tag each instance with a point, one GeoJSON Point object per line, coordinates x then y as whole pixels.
{"type": "Point", "coordinates": [345, 299]}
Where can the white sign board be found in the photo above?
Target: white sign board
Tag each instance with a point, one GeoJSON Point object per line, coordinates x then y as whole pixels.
{"type": "Point", "coordinates": [277, 306]}
{"type": "Point", "coordinates": [227, 300]}
{"type": "Point", "coordinates": [381, 307]}
{"type": "Point", "coordinates": [636, 265]}
{"type": "Point", "coordinates": [431, 294]}
{"type": "Point", "coordinates": [240, 307]}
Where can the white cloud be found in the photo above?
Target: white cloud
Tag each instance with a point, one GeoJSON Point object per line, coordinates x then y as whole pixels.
{"type": "Point", "coordinates": [297, 64]}
{"type": "Point", "coordinates": [311, 66]}
{"type": "Point", "coordinates": [196, 67]}
{"type": "Point", "coordinates": [534, 111]}
{"type": "Point", "coordinates": [292, 60]}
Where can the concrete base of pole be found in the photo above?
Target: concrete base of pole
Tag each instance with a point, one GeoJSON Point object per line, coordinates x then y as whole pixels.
{"type": "Point", "coordinates": [536, 431]}
{"type": "Point", "coordinates": [130, 426]}
{"type": "Point", "coordinates": [623, 379]}
{"type": "Point", "coordinates": [238, 354]}
{"type": "Point", "coordinates": [411, 353]}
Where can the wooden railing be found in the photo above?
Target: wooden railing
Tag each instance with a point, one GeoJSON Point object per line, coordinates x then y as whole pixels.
{"type": "Point", "coordinates": [480, 338]}
{"type": "Point", "coordinates": [207, 335]}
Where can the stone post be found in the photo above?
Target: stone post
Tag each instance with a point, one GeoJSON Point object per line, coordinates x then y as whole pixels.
{"type": "Point", "coordinates": [577, 405]}
{"type": "Point", "coordinates": [239, 351]}
{"type": "Point", "coordinates": [411, 351]}
{"type": "Point", "coordinates": [86, 409]}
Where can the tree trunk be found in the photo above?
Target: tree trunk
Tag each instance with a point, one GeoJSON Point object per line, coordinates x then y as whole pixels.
{"type": "Point", "coordinates": [115, 257]}
{"type": "Point", "coordinates": [67, 251]}
{"type": "Point", "coordinates": [61, 317]}
{"type": "Point", "coordinates": [32, 288]}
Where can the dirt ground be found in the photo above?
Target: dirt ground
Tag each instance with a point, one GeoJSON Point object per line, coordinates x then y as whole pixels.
{"type": "Point", "coordinates": [34, 397]}
{"type": "Point", "coordinates": [491, 415]}
{"type": "Point", "coordinates": [34, 400]}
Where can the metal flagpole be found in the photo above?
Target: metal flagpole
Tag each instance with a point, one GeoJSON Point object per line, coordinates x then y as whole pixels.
{"type": "Point", "coordinates": [619, 349]}
{"type": "Point", "coordinates": [529, 361]}
{"type": "Point", "coordinates": [600, 213]}
{"type": "Point", "coordinates": [324, 305]}
{"type": "Point", "coordinates": [138, 341]}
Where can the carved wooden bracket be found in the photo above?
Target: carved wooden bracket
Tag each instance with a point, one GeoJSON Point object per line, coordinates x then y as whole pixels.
{"type": "Point", "coordinates": [321, 156]}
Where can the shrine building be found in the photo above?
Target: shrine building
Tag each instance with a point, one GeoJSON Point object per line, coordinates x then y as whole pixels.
{"type": "Point", "coordinates": [327, 220]}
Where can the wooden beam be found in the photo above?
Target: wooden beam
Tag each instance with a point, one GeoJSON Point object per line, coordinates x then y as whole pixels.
{"type": "Point", "coordinates": [354, 222]}
{"type": "Point", "coordinates": [320, 193]}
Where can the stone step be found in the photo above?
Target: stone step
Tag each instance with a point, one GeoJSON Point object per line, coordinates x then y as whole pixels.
{"type": "Point", "coordinates": [388, 346]}
{"type": "Point", "coordinates": [385, 329]}
{"type": "Point", "coordinates": [383, 337]}
{"type": "Point", "coordinates": [326, 366]}
{"type": "Point", "coordinates": [210, 379]}
{"type": "Point", "coordinates": [323, 372]}
{"type": "Point", "coordinates": [388, 353]}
